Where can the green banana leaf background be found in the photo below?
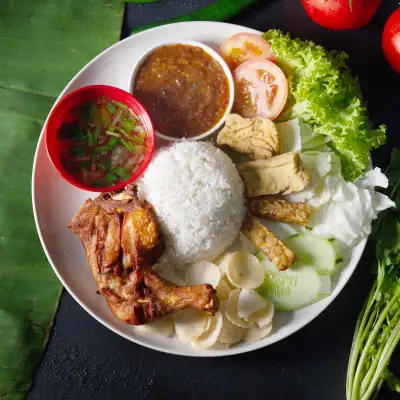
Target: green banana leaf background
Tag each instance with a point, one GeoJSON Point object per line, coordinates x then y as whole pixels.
{"type": "Point", "coordinates": [43, 44]}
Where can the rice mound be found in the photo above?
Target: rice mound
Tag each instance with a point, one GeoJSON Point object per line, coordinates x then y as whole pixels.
{"type": "Point", "coordinates": [198, 196]}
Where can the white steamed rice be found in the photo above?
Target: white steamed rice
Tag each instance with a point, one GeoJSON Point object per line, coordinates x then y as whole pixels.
{"type": "Point", "coordinates": [198, 197]}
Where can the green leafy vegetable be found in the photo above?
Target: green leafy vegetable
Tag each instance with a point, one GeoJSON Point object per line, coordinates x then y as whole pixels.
{"type": "Point", "coordinates": [87, 109]}
{"type": "Point", "coordinates": [111, 178]}
{"type": "Point", "coordinates": [85, 164]}
{"type": "Point", "coordinates": [122, 173]}
{"type": "Point", "coordinates": [113, 134]}
{"type": "Point", "coordinates": [378, 327]}
{"type": "Point", "coordinates": [127, 144]}
{"type": "Point", "coordinates": [111, 107]}
{"type": "Point", "coordinates": [78, 151]}
{"type": "Point", "coordinates": [91, 139]}
{"type": "Point", "coordinates": [325, 95]}
{"type": "Point", "coordinates": [128, 125]}
{"type": "Point", "coordinates": [72, 131]}
{"type": "Point", "coordinates": [107, 165]}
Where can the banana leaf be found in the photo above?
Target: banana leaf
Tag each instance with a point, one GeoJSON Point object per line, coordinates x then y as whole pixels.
{"type": "Point", "coordinates": [43, 44]}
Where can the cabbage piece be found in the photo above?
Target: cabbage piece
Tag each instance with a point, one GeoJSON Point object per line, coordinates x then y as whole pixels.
{"type": "Point", "coordinates": [324, 95]}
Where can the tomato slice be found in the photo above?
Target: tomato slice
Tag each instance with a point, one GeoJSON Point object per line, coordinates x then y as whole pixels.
{"type": "Point", "coordinates": [245, 46]}
{"type": "Point", "coordinates": [261, 89]}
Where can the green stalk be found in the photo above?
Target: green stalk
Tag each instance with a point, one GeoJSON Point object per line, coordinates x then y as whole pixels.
{"type": "Point", "coordinates": [384, 361]}
{"type": "Point", "coordinates": [360, 341]}
{"type": "Point", "coordinates": [376, 361]}
{"type": "Point", "coordinates": [360, 331]}
{"type": "Point", "coordinates": [356, 387]}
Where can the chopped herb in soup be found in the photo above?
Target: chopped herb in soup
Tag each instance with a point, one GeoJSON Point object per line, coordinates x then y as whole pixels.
{"type": "Point", "coordinates": [103, 143]}
{"type": "Point", "coordinates": [185, 91]}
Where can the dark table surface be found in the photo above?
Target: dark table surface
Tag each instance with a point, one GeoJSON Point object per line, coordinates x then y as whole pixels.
{"type": "Point", "coordinates": [84, 360]}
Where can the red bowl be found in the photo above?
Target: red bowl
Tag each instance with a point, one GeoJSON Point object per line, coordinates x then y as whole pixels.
{"type": "Point", "coordinates": [61, 113]}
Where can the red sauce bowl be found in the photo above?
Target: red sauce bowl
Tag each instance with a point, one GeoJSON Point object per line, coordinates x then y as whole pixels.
{"type": "Point", "coordinates": [62, 113]}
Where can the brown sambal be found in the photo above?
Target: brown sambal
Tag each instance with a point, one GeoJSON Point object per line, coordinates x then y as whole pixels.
{"type": "Point", "coordinates": [185, 91]}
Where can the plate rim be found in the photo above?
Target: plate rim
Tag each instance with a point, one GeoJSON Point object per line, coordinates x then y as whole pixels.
{"type": "Point", "coordinates": [214, 353]}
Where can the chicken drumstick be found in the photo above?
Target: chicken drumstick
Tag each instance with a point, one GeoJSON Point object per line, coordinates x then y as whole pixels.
{"type": "Point", "coordinates": [122, 241]}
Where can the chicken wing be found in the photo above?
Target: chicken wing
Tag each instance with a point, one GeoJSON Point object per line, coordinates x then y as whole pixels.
{"type": "Point", "coordinates": [280, 210]}
{"type": "Point", "coordinates": [281, 174]}
{"type": "Point", "coordinates": [122, 241]}
{"type": "Point", "coordinates": [268, 243]}
{"type": "Point", "coordinates": [255, 137]}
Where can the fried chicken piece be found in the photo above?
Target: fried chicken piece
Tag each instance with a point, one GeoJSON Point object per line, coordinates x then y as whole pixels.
{"type": "Point", "coordinates": [268, 243]}
{"type": "Point", "coordinates": [122, 241]}
{"type": "Point", "coordinates": [281, 174]}
{"type": "Point", "coordinates": [280, 210]}
{"type": "Point", "coordinates": [255, 137]}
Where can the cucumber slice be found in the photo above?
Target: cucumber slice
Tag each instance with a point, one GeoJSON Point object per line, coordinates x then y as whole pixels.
{"type": "Point", "coordinates": [326, 286]}
{"type": "Point", "coordinates": [315, 250]}
{"type": "Point", "coordinates": [292, 289]}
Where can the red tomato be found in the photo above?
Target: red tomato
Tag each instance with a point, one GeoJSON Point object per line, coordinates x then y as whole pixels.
{"type": "Point", "coordinates": [337, 14]}
{"type": "Point", "coordinates": [245, 46]}
{"type": "Point", "coordinates": [261, 89]}
{"type": "Point", "coordinates": [391, 40]}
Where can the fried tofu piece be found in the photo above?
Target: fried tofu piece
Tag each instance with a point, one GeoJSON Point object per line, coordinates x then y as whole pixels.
{"type": "Point", "coordinates": [282, 174]}
{"type": "Point", "coordinates": [255, 137]}
{"type": "Point", "coordinates": [280, 210]}
{"type": "Point", "coordinates": [268, 243]}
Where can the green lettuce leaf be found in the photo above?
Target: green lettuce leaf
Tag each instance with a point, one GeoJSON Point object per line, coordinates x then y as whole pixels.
{"type": "Point", "coordinates": [325, 95]}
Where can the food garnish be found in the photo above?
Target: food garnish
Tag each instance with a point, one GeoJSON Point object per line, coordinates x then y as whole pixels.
{"type": "Point", "coordinates": [280, 255]}
{"type": "Point", "coordinates": [282, 174]}
{"type": "Point", "coordinates": [210, 336]}
{"type": "Point", "coordinates": [103, 144]}
{"type": "Point", "coordinates": [323, 94]}
{"type": "Point", "coordinates": [230, 333]}
{"type": "Point", "coordinates": [191, 324]}
{"type": "Point", "coordinates": [377, 332]}
{"type": "Point", "coordinates": [245, 46]}
{"type": "Point", "coordinates": [244, 271]}
{"type": "Point", "coordinates": [231, 310]}
{"type": "Point", "coordinates": [184, 89]}
{"type": "Point", "coordinates": [249, 302]}
{"type": "Point", "coordinates": [261, 89]}
{"type": "Point", "coordinates": [203, 272]}
{"type": "Point", "coordinates": [280, 210]}
{"type": "Point", "coordinates": [257, 137]}
{"type": "Point", "coordinates": [254, 332]}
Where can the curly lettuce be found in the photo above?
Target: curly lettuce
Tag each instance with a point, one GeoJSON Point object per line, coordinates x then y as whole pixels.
{"type": "Point", "coordinates": [325, 95]}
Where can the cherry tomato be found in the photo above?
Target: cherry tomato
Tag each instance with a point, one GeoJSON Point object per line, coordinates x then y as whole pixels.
{"type": "Point", "coordinates": [261, 89]}
{"type": "Point", "coordinates": [337, 14]}
{"type": "Point", "coordinates": [245, 46]}
{"type": "Point", "coordinates": [391, 40]}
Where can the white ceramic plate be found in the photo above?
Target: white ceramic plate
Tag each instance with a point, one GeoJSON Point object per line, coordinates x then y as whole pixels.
{"type": "Point", "coordinates": [55, 202]}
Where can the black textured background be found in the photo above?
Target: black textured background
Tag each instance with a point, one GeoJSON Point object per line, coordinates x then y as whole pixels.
{"type": "Point", "coordinates": [84, 360]}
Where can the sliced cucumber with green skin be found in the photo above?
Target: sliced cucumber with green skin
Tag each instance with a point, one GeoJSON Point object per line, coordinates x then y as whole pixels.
{"type": "Point", "coordinates": [326, 286]}
{"type": "Point", "coordinates": [293, 289]}
{"type": "Point", "coordinates": [315, 250]}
